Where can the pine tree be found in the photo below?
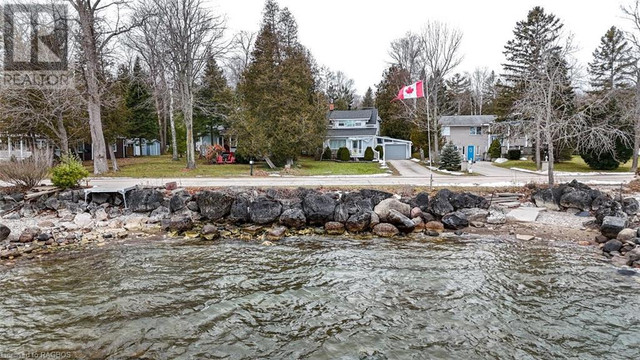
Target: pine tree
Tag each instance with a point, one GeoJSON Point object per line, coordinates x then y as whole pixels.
{"type": "Point", "coordinates": [213, 101]}
{"type": "Point", "coordinates": [393, 125]}
{"type": "Point", "coordinates": [495, 150]}
{"type": "Point", "coordinates": [458, 95]}
{"type": "Point", "coordinates": [450, 158]}
{"type": "Point", "coordinates": [143, 121]}
{"type": "Point", "coordinates": [612, 64]}
{"type": "Point", "coordinates": [282, 114]}
{"type": "Point", "coordinates": [368, 101]}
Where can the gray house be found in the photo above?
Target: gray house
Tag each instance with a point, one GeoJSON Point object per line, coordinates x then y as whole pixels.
{"type": "Point", "coordinates": [358, 129]}
{"type": "Point", "coordinates": [471, 134]}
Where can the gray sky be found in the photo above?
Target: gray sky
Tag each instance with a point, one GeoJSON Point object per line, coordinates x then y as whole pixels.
{"type": "Point", "coordinates": [354, 35]}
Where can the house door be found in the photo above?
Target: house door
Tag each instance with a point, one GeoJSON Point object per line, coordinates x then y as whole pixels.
{"type": "Point", "coordinates": [471, 153]}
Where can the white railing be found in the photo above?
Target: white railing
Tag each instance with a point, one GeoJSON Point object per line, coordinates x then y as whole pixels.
{"type": "Point", "coordinates": [19, 155]}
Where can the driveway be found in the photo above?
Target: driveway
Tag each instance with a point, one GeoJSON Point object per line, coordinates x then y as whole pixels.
{"type": "Point", "coordinates": [408, 168]}
{"type": "Point", "coordinates": [486, 168]}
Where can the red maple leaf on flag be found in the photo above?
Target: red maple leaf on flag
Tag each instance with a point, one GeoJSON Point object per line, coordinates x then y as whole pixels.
{"type": "Point", "coordinates": [409, 90]}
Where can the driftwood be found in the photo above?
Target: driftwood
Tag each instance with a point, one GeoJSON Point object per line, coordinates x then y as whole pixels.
{"type": "Point", "coordinates": [40, 193]}
{"type": "Point", "coordinates": [269, 162]}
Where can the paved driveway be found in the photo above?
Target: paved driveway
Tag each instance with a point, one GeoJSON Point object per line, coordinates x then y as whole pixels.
{"type": "Point", "coordinates": [408, 168]}
{"type": "Point", "coordinates": [486, 168]}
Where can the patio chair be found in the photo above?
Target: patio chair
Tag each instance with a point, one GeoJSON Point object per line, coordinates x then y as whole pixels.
{"type": "Point", "coordinates": [231, 159]}
{"type": "Point", "coordinates": [219, 160]}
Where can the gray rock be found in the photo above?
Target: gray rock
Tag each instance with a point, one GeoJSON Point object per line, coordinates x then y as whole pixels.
{"type": "Point", "coordinates": [193, 206]}
{"type": "Point", "coordinates": [455, 221]}
{"type": "Point", "coordinates": [601, 200]}
{"type": "Point", "coordinates": [630, 206]}
{"type": "Point", "coordinates": [178, 201]}
{"type": "Point", "coordinates": [214, 205]}
{"type": "Point", "coordinates": [626, 235]}
{"type": "Point", "coordinates": [44, 236]}
{"type": "Point", "coordinates": [612, 208]}
{"type": "Point", "coordinates": [144, 200]}
{"type": "Point", "coordinates": [468, 201]}
{"type": "Point", "coordinates": [576, 199]}
{"type": "Point", "coordinates": [100, 198]}
{"type": "Point", "coordinates": [383, 209]}
{"type": "Point", "coordinates": [28, 235]}
{"type": "Point", "coordinates": [402, 222]}
{"type": "Point", "coordinates": [178, 223]}
{"type": "Point", "coordinates": [440, 205]}
{"type": "Point", "coordinates": [4, 232]}
{"type": "Point", "coordinates": [376, 196]}
{"type": "Point", "coordinates": [341, 213]}
{"type": "Point", "coordinates": [612, 245]}
{"type": "Point", "coordinates": [612, 225]}
{"type": "Point", "coordinates": [358, 222]}
{"type": "Point", "coordinates": [385, 230]}
{"type": "Point", "coordinates": [496, 217]}
{"type": "Point", "coordinates": [546, 198]}
{"type": "Point", "coordinates": [421, 201]}
{"type": "Point", "coordinates": [52, 203]}
{"type": "Point", "coordinates": [239, 212]}
{"type": "Point", "coordinates": [319, 208]}
{"type": "Point", "coordinates": [264, 211]}
{"type": "Point", "coordinates": [293, 218]}
{"type": "Point", "coordinates": [375, 219]}
{"type": "Point", "coordinates": [101, 214]}
{"type": "Point", "coordinates": [209, 232]}
{"type": "Point", "coordinates": [475, 214]}
{"type": "Point", "coordinates": [334, 228]}
{"type": "Point", "coordinates": [159, 214]}
{"type": "Point", "coordinates": [276, 233]}
{"type": "Point", "coordinates": [83, 220]}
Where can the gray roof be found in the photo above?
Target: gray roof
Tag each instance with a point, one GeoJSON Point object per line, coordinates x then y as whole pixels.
{"type": "Point", "coordinates": [371, 114]}
{"type": "Point", "coordinates": [467, 120]}
{"type": "Point", "coordinates": [350, 132]}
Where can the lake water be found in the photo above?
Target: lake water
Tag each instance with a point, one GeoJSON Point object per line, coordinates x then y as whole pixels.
{"type": "Point", "coordinates": [323, 299]}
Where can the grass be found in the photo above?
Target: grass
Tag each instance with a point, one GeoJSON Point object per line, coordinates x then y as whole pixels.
{"type": "Point", "coordinates": [164, 167]}
{"type": "Point", "coordinates": [576, 164]}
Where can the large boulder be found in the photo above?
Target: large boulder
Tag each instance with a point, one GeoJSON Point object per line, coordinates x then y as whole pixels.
{"type": "Point", "coordinates": [385, 206]}
{"type": "Point", "coordinates": [630, 206]}
{"type": "Point", "coordinates": [179, 201]}
{"type": "Point", "coordinates": [385, 230]}
{"type": "Point", "coordinates": [455, 221]}
{"type": "Point", "coordinates": [613, 208]}
{"type": "Point", "coordinates": [475, 214]}
{"type": "Point", "coordinates": [156, 215]}
{"type": "Point", "coordinates": [100, 198]}
{"type": "Point", "coordinates": [4, 232]}
{"type": "Point", "coordinates": [468, 201]}
{"type": "Point", "coordinates": [214, 205]}
{"type": "Point", "coordinates": [341, 213]}
{"type": "Point", "coordinates": [334, 228]}
{"type": "Point", "coordinates": [439, 204]}
{"type": "Point", "coordinates": [177, 223]}
{"type": "Point", "coordinates": [421, 200]}
{"type": "Point", "coordinates": [376, 196]}
{"type": "Point", "coordinates": [293, 218]}
{"type": "Point", "coordinates": [144, 200]}
{"type": "Point", "coordinates": [546, 198]}
{"type": "Point", "coordinates": [239, 212]}
{"type": "Point", "coordinates": [600, 201]}
{"type": "Point", "coordinates": [264, 211]}
{"type": "Point", "coordinates": [355, 202]}
{"type": "Point", "coordinates": [626, 235]}
{"type": "Point", "coordinates": [611, 226]}
{"type": "Point", "coordinates": [612, 245]}
{"type": "Point", "coordinates": [402, 222]}
{"type": "Point", "coordinates": [29, 235]}
{"type": "Point", "coordinates": [576, 199]}
{"type": "Point", "coordinates": [358, 222]}
{"type": "Point", "coordinates": [318, 208]}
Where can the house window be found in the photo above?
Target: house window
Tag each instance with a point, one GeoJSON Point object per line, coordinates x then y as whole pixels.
{"type": "Point", "coordinates": [348, 123]}
{"type": "Point", "coordinates": [446, 131]}
{"type": "Point", "coordinates": [356, 146]}
{"type": "Point", "coordinates": [475, 130]}
{"type": "Point", "coordinates": [337, 144]}
{"type": "Point", "coordinates": [115, 148]}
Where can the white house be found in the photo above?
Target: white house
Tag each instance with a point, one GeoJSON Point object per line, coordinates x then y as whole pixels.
{"type": "Point", "coordinates": [358, 129]}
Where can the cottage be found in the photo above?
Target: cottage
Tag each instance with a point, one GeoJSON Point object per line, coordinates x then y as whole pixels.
{"type": "Point", "coordinates": [358, 129]}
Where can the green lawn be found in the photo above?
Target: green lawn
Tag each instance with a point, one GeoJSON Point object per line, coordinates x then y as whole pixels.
{"type": "Point", "coordinates": [575, 165]}
{"type": "Point", "coordinates": [164, 167]}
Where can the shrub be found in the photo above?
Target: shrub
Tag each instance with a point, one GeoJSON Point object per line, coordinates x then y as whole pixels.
{"type": "Point", "coordinates": [450, 158]}
{"type": "Point", "coordinates": [514, 154]}
{"type": "Point", "coordinates": [380, 149]}
{"type": "Point", "coordinates": [326, 155]}
{"type": "Point", "coordinates": [27, 173]}
{"type": "Point", "coordinates": [495, 150]}
{"type": "Point", "coordinates": [68, 173]}
{"type": "Point", "coordinates": [607, 160]}
{"type": "Point", "coordinates": [415, 155]}
{"type": "Point", "coordinates": [368, 154]}
{"type": "Point", "coordinates": [343, 154]}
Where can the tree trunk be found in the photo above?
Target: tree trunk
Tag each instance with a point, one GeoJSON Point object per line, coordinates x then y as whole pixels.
{"type": "Point", "coordinates": [62, 134]}
{"type": "Point", "coordinates": [551, 157]}
{"type": "Point", "coordinates": [436, 143]}
{"type": "Point", "coordinates": [172, 124]}
{"type": "Point", "coordinates": [140, 145]}
{"type": "Point", "coordinates": [187, 111]}
{"type": "Point", "coordinates": [636, 126]}
{"type": "Point", "coordinates": [159, 113]}
{"type": "Point", "coordinates": [538, 145]}
{"type": "Point", "coordinates": [114, 161]}
{"type": "Point", "coordinates": [94, 100]}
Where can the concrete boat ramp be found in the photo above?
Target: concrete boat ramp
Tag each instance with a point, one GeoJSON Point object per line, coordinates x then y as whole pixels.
{"type": "Point", "coordinates": [109, 189]}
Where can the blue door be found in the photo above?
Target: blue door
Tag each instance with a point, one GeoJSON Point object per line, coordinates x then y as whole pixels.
{"type": "Point", "coordinates": [471, 153]}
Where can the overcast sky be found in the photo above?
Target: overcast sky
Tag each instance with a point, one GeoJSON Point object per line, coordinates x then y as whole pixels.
{"type": "Point", "coordinates": [354, 35]}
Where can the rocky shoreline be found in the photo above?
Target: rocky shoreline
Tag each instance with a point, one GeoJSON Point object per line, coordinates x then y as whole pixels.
{"type": "Point", "coordinates": [64, 220]}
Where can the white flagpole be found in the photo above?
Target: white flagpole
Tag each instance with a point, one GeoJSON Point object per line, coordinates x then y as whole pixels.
{"type": "Point", "coordinates": [425, 89]}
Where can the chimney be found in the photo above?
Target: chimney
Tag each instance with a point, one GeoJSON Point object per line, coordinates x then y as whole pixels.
{"type": "Point", "coordinates": [331, 107]}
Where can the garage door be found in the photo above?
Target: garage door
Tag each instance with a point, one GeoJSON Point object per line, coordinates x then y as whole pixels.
{"type": "Point", "coordinates": [396, 152]}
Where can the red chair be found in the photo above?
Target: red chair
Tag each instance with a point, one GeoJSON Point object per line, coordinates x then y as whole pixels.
{"type": "Point", "coordinates": [231, 159]}
{"type": "Point", "coordinates": [219, 160]}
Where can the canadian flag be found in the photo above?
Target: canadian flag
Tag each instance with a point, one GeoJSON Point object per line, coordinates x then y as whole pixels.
{"type": "Point", "coordinates": [413, 91]}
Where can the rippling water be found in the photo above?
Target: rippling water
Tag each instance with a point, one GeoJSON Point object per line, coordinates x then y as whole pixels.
{"type": "Point", "coordinates": [323, 299]}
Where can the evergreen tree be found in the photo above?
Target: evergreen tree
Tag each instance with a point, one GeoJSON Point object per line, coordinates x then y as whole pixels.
{"type": "Point", "coordinates": [213, 101]}
{"type": "Point", "coordinates": [393, 125]}
{"type": "Point", "coordinates": [143, 121]}
{"type": "Point", "coordinates": [495, 150]}
{"type": "Point", "coordinates": [450, 158]}
{"type": "Point", "coordinates": [368, 101]}
{"type": "Point", "coordinates": [282, 114]}
{"type": "Point", "coordinates": [612, 63]}
{"type": "Point", "coordinates": [458, 95]}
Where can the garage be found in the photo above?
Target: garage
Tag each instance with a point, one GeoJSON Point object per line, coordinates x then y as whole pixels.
{"type": "Point", "coordinates": [397, 151]}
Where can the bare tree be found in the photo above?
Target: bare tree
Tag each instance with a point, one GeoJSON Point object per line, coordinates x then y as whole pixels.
{"type": "Point", "coordinates": [407, 53]}
{"type": "Point", "coordinates": [440, 55]}
{"type": "Point", "coordinates": [632, 14]}
{"type": "Point", "coordinates": [192, 36]}
{"type": "Point", "coordinates": [482, 83]}
{"type": "Point", "coordinates": [241, 49]}
{"type": "Point", "coordinates": [95, 33]}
